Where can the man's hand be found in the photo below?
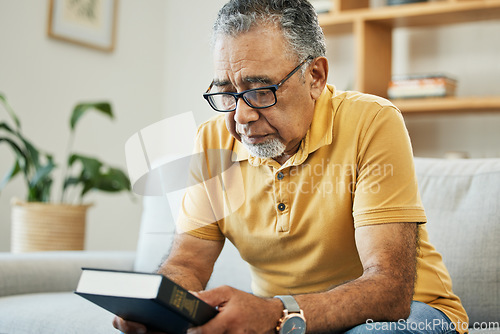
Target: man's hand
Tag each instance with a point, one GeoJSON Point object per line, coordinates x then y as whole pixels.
{"type": "Point", "coordinates": [130, 327]}
{"type": "Point", "coordinates": [239, 312]}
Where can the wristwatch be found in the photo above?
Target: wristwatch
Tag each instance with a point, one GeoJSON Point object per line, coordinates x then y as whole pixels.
{"type": "Point", "coordinates": [293, 320]}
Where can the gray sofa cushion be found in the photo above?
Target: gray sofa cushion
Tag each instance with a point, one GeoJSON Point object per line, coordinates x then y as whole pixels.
{"type": "Point", "coordinates": [462, 203]}
{"type": "Point", "coordinates": [54, 271]}
{"type": "Point", "coordinates": [42, 310]}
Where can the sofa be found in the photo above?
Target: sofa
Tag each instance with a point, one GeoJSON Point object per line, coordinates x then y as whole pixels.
{"type": "Point", "coordinates": [462, 202]}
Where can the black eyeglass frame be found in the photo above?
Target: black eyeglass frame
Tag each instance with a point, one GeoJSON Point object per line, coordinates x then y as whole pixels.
{"type": "Point", "coordinates": [237, 96]}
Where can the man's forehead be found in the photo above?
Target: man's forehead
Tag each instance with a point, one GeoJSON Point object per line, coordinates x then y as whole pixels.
{"type": "Point", "coordinates": [256, 47]}
{"type": "Point", "coordinates": [246, 69]}
{"type": "Point", "coordinates": [266, 80]}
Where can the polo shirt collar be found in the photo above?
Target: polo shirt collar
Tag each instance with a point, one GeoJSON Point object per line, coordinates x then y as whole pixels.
{"type": "Point", "coordinates": [320, 133]}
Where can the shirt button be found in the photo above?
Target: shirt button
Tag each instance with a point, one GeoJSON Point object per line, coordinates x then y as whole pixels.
{"type": "Point", "coordinates": [281, 207]}
{"type": "Point", "coordinates": [280, 176]}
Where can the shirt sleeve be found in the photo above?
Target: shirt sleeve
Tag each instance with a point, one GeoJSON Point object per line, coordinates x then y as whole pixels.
{"type": "Point", "coordinates": [386, 189]}
{"type": "Point", "coordinates": [198, 212]}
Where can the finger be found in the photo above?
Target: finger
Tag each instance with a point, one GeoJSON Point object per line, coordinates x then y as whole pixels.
{"type": "Point", "coordinates": [129, 327]}
{"type": "Point", "coordinates": [214, 326]}
{"type": "Point", "coordinates": [217, 296]}
{"type": "Point", "coordinates": [194, 330]}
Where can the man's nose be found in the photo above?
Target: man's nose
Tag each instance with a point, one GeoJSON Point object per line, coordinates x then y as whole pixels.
{"type": "Point", "coordinates": [245, 114]}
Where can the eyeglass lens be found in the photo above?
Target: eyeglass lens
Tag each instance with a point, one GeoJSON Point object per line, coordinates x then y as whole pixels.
{"type": "Point", "coordinates": [258, 98]}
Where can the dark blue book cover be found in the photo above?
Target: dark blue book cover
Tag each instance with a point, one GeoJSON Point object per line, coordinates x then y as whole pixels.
{"type": "Point", "coordinates": [150, 299]}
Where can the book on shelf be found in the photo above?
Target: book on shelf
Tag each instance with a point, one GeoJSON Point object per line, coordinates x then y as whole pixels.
{"type": "Point", "coordinates": [420, 86]}
{"type": "Point", "coordinates": [150, 299]}
{"type": "Point", "coordinates": [402, 2]}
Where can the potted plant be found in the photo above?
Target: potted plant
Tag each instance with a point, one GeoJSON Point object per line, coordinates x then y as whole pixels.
{"type": "Point", "coordinates": [41, 222]}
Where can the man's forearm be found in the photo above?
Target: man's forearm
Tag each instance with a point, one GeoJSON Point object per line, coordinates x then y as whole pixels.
{"type": "Point", "coordinates": [353, 303]}
{"type": "Point", "coordinates": [191, 261]}
{"type": "Point", "coordinates": [385, 290]}
{"type": "Point", "coordinates": [182, 276]}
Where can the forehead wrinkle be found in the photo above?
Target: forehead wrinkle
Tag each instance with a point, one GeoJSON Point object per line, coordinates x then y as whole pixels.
{"type": "Point", "coordinates": [265, 80]}
{"type": "Point", "coordinates": [258, 79]}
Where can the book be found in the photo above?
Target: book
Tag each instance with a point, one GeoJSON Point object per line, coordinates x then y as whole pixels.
{"type": "Point", "coordinates": [402, 2]}
{"type": "Point", "coordinates": [418, 86]}
{"type": "Point", "coordinates": [150, 299]}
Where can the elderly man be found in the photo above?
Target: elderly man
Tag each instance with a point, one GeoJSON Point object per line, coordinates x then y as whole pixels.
{"type": "Point", "coordinates": [332, 222]}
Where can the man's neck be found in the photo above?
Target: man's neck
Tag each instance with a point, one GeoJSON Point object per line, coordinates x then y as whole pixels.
{"type": "Point", "coordinates": [282, 158]}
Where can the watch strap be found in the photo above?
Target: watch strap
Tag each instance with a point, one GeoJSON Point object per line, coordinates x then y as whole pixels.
{"type": "Point", "coordinates": [289, 303]}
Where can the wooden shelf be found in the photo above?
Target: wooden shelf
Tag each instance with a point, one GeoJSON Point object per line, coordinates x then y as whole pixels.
{"type": "Point", "coordinates": [417, 14]}
{"type": "Point", "coordinates": [372, 29]}
{"type": "Point", "coordinates": [436, 13]}
{"type": "Point", "coordinates": [449, 104]}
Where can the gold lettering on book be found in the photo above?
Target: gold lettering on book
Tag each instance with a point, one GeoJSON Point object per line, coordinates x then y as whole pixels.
{"type": "Point", "coordinates": [191, 305]}
{"type": "Point", "coordinates": [184, 302]}
{"type": "Point", "coordinates": [177, 298]}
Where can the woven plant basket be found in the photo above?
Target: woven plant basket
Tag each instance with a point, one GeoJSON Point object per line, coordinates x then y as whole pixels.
{"type": "Point", "coordinates": [47, 227]}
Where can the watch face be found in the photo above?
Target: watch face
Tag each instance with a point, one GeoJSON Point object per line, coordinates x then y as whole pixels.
{"type": "Point", "coordinates": [295, 324]}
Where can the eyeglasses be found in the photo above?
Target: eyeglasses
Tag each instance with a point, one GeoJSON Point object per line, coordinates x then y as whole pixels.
{"type": "Point", "coordinates": [258, 98]}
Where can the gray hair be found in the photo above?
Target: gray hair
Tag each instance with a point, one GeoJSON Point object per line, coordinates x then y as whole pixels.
{"type": "Point", "coordinates": [297, 20]}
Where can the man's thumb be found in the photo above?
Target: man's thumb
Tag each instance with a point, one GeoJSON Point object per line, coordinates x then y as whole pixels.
{"type": "Point", "coordinates": [215, 297]}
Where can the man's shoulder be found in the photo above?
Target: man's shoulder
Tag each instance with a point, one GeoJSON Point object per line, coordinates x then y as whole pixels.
{"type": "Point", "coordinates": [361, 107]}
{"type": "Point", "coordinates": [362, 100]}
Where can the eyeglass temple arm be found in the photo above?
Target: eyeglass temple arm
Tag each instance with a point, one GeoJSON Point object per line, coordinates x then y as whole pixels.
{"type": "Point", "coordinates": [295, 70]}
{"type": "Point", "coordinates": [210, 87]}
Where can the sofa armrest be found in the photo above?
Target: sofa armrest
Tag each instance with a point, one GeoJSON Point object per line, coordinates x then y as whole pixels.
{"type": "Point", "coordinates": [54, 271]}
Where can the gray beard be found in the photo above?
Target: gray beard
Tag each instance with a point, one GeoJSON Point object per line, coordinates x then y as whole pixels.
{"type": "Point", "coordinates": [272, 148]}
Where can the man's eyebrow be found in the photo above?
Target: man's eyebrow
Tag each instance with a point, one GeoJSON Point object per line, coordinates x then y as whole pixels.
{"type": "Point", "coordinates": [250, 80]}
{"type": "Point", "coordinates": [220, 83]}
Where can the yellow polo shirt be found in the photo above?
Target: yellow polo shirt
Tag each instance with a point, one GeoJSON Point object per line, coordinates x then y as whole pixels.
{"type": "Point", "coordinates": [294, 223]}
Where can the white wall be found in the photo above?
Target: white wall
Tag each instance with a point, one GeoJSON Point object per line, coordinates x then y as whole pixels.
{"type": "Point", "coordinates": [189, 62]}
{"type": "Point", "coordinates": [43, 78]}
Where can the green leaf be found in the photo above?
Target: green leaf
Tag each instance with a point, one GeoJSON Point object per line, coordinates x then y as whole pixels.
{"type": "Point", "coordinates": [90, 166]}
{"type": "Point", "coordinates": [7, 128]}
{"type": "Point", "coordinates": [114, 180]}
{"type": "Point", "coordinates": [10, 111]}
{"type": "Point", "coordinates": [82, 108]}
{"type": "Point", "coordinates": [87, 186]}
{"type": "Point", "coordinates": [10, 175]}
{"type": "Point", "coordinates": [89, 173]}
{"type": "Point", "coordinates": [71, 181]}
{"type": "Point", "coordinates": [95, 175]}
{"type": "Point", "coordinates": [42, 174]}
{"type": "Point", "coordinates": [21, 157]}
{"type": "Point", "coordinates": [40, 192]}
{"type": "Point", "coordinates": [32, 154]}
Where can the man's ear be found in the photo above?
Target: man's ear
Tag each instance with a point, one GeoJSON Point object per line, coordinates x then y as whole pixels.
{"type": "Point", "coordinates": [319, 74]}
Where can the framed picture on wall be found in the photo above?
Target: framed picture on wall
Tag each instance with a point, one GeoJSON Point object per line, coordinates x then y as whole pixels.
{"type": "Point", "coordinates": [90, 23]}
